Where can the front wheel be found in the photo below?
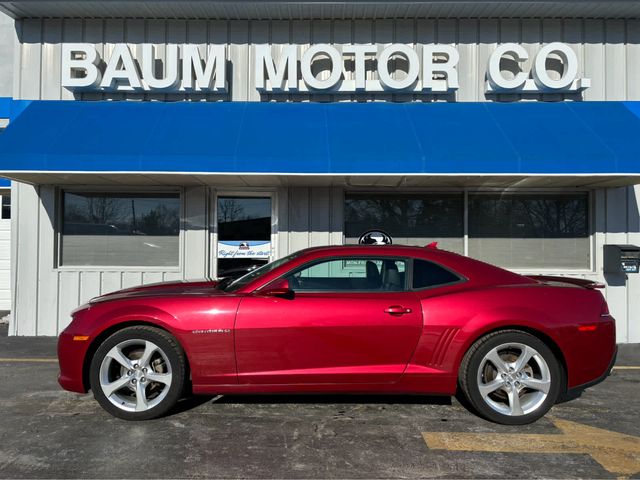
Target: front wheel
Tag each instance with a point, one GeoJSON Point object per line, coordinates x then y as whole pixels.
{"type": "Point", "coordinates": [138, 373]}
{"type": "Point", "coordinates": [510, 377]}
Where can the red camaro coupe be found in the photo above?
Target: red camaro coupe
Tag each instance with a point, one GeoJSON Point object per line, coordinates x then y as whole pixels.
{"type": "Point", "coordinates": [357, 319]}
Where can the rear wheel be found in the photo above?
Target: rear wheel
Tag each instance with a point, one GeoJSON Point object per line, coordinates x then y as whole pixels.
{"type": "Point", "coordinates": [138, 373]}
{"type": "Point", "coordinates": [510, 377]}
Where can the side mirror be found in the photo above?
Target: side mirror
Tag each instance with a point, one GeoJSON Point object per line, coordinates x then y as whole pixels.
{"type": "Point", "coordinates": [278, 289]}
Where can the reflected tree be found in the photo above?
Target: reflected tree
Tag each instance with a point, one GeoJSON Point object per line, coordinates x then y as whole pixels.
{"type": "Point", "coordinates": [405, 215]}
{"type": "Point", "coordinates": [520, 216]}
{"type": "Point", "coordinates": [229, 210]}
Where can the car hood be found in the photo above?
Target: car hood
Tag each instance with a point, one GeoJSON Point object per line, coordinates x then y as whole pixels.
{"type": "Point", "coordinates": [194, 287]}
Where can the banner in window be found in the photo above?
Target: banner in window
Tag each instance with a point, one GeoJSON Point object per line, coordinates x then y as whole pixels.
{"type": "Point", "coordinates": [244, 248]}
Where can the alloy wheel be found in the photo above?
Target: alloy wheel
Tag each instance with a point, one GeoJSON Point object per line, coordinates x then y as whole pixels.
{"type": "Point", "coordinates": [514, 379]}
{"type": "Point", "coordinates": [135, 375]}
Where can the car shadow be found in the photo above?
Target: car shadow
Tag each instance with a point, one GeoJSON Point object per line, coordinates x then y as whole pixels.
{"type": "Point", "coordinates": [195, 401]}
{"type": "Point", "coordinates": [188, 403]}
{"type": "Point", "coordinates": [328, 399]}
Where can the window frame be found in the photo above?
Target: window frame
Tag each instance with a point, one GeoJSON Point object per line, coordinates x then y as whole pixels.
{"type": "Point", "coordinates": [466, 191]}
{"type": "Point", "coordinates": [58, 236]}
{"type": "Point", "coordinates": [407, 278]}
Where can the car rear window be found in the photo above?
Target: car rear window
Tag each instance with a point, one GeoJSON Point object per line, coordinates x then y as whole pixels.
{"type": "Point", "coordinates": [428, 274]}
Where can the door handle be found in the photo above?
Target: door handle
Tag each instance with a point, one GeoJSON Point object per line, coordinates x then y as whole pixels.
{"type": "Point", "coordinates": [397, 310]}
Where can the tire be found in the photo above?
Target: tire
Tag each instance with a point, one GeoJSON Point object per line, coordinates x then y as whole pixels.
{"type": "Point", "coordinates": [510, 377]}
{"type": "Point", "coordinates": [138, 363]}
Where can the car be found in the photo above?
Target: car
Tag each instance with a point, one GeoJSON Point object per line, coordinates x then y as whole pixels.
{"type": "Point", "coordinates": [362, 319]}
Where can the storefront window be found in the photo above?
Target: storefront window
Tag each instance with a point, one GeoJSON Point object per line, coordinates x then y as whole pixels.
{"type": "Point", "coordinates": [410, 219]}
{"type": "Point", "coordinates": [120, 229]}
{"type": "Point", "coordinates": [530, 230]}
{"type": "Point", "coordinates": [513, 230]}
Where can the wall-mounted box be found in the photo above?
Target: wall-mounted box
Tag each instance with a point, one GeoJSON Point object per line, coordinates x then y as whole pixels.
{"type": "Point", "coordinates": [621, 259]}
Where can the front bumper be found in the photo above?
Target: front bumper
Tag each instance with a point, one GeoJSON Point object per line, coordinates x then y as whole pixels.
{"type": "Point", "coordinates": [71, 356]}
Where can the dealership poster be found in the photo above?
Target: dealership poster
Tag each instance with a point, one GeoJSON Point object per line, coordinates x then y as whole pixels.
{"type": "Point", "coordinates": [244, 248]}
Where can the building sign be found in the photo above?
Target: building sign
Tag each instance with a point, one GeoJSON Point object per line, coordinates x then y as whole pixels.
{"type": "Point", "coordinates": [184, 69]}
{"type": "Point", "coordinates": [244, 249]}
{"type": "Point", "coordinates": [425, 69]}
{"type": "Point", "coordinates": [538, 80]}
{"type": "Point", "coordinates": [434, 71]}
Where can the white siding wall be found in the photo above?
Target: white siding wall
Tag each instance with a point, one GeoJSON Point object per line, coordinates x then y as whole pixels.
{"type": "Point", "coordinates": [621, 225]}
{"type": "Point", "coordinates": [7, 45]}
{"type": "Point", "coordinates": [608, 50]}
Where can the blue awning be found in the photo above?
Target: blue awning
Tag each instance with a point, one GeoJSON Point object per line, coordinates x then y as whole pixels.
{"type": "Point", "coordinates": [526, 138]}
{"type": "Point", "coordinates": [9, 109]}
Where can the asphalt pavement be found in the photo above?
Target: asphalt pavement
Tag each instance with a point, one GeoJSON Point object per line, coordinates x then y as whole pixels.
{"type": "Point", "coordinates": [46, 432]}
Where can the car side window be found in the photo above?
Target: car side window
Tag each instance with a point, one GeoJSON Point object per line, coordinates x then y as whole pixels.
{"type": "Point", "coordinates": [428, 274]}
{"type": "Point", "coordinates": [351, 274]}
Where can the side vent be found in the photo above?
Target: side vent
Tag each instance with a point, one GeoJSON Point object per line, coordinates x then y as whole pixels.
{"type": "Point", "coordinates": [441, 347]}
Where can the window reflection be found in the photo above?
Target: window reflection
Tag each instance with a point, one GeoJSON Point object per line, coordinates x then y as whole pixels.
{"type": "Point", "coordinates": [244, 218]}
{"type": "Point", "coordinates": [120, 229]}
{"type": "Point", "coordinates": [121, 214]}
{"type": "Point", "coordinates": [405, 215]}
{"type": "Point", "coordinates": [409, 218]}
{"type": "Point", "coordinates": [536, 231]}
{"type": "Point", "coordinates": [539, 216]}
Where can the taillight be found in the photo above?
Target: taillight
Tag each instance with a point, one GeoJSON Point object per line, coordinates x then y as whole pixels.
{"type": "Point", "coordinates": [604, 311]}
{"type": "Point", "coordinates": [587, 328]}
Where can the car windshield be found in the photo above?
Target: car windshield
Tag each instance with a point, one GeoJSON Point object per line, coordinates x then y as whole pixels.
{"type": "Point", "coordinates": [258, 272]}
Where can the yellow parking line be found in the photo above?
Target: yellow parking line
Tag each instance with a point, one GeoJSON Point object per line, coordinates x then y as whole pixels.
{"type": "Point", "coordinates": [28, 360]}
{"type": "Point", "coordinates": [616, 452]}
{"type": "Point", "coordinates": [625, 367]}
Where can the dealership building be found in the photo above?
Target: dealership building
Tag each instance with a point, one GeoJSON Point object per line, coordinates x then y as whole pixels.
{"type": "Point", "coordinates": [166, 140]}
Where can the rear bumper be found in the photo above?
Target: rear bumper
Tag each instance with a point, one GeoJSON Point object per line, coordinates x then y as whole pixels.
{"type": "Point", "coordinates": [574, 391]}
{"type": "Point", "coordinates": [71, 359]}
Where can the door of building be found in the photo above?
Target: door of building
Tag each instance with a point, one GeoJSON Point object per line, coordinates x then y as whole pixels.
{"type": "Point", "coordinates": [5, 249]}
{"type": "Point", "coordinates": [244, 232]}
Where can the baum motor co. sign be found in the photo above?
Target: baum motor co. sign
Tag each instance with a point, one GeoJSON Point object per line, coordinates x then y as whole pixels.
{"type": "Point", "coordinates": [427, 69]}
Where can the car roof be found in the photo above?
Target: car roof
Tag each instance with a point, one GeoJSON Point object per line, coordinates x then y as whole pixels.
{"type": "Point", "coordinates": [373, 248]}
{"type": "Point", "coordinates": [386, 250]}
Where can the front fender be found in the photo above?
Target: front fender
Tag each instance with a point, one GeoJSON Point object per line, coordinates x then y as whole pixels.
{"type": "Point", "coordinates": [202, 326]}
{"type": "Point", "coordinates": [136, 313]}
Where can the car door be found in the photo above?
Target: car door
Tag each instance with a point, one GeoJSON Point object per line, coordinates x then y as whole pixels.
{"type": "Point", "coordinates": [349, 320]}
